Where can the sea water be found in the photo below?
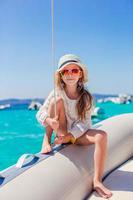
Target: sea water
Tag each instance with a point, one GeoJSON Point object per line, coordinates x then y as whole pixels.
{"type": "Point", "coordinates": [21, 133]}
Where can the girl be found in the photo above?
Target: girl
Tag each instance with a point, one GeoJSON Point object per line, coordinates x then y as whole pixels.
{"type": "Point", "coordinates": [73, 120]}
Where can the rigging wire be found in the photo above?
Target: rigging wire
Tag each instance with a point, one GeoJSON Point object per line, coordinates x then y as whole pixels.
{"type": "Point", "coordinates": [53, 52]}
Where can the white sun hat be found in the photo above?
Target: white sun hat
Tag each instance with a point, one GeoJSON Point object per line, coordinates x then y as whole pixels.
{"type": "Point", "coordinates": [72, 59]}
{"type": "Point", "coordinates": [69, 59]}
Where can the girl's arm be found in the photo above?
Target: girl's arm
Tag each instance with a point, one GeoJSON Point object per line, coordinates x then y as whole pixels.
{"type": "Point", "coordinates": [42, 114]}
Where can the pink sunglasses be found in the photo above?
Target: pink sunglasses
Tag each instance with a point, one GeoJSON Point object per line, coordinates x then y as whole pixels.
{"type": "Point", "coordinates": [66, 72]}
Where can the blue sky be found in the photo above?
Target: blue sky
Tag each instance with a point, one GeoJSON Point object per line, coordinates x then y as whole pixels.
{"type": "Point", "coordinates": [100, 32]}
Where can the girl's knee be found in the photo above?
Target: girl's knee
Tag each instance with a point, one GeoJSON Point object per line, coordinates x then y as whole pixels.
{"type": "Point", "coordinates": [59, 103]}
{"type": "Point", "coordinates": [101, 136]}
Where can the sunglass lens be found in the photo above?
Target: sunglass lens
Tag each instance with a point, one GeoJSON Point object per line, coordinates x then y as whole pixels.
{"type": "Point", "coordinates": [75, 71]}
{"type": "Point", "coordinates": [65, 72]}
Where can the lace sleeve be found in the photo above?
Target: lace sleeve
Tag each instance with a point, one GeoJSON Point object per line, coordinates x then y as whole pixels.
{"type": "Point", "coordinates": [78, 128]}
{"type": "Point", "coordinates": [42, 114]}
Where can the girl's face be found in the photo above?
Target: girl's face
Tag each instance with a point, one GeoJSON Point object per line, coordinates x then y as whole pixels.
{"type": "Point", "coordinates": [71, 74]}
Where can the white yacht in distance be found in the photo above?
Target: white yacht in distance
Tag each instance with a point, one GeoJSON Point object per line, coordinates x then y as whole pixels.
{"type": "Point", "coordinates": [2, 107]}
{"type": "Point", "coordinates": [120, 99]}
{"type": "Point", "coordinates": [34, 105]}
{"type": "Point", "coordinates": [97, 111]}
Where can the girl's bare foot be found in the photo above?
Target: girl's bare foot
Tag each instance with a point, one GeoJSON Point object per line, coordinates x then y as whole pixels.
{"type": "Point", "coordinates": [46, 148]}
{"type": "Point", "coordinates": [102, 190]}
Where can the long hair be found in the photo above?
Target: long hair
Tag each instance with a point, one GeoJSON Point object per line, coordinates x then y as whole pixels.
{"type": "Point", "coordinates": [85, 99]}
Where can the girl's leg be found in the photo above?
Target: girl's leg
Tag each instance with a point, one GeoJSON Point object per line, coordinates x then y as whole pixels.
{"type": "Point", "coordinates": [62, 131]}
{"type": "Point", "coordinates": [46, 147]}
{"type": "Point", "coordinates": [99, 138]}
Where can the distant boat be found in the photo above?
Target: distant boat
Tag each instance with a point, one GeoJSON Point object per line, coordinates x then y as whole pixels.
{"type": "Point", "coordinates": [120, 99]}
{"type": "Point", "coordinates": [100, 100]}
{"type": "Point", "coordinates": [97, 111]}
{"type": "Point", "coordinates": [2, 107]}
{"type": "Point", "coordinates": [34, 105]}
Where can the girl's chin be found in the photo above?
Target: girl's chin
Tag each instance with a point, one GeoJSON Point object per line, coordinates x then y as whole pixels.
{"type": "Point", "coordinates": [71, 83]}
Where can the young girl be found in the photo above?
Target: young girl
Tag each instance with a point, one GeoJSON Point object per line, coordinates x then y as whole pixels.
{"type": "Point", "coordinates": [73, 120]}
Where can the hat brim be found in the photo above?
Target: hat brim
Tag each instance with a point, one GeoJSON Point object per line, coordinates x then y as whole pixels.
{"type": "Point", "coordinates": [78, 64]}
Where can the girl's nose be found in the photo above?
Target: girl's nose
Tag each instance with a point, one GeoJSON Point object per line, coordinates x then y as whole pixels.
{"type": "Point", "coordinates": [70, 73]}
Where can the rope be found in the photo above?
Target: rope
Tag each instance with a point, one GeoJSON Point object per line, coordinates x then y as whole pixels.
{"type": "Point", "coordinates": [53, 52]}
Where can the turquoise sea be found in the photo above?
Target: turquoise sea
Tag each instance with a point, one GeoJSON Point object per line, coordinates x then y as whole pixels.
{"type": "Point", "coordinates": [21, 133]}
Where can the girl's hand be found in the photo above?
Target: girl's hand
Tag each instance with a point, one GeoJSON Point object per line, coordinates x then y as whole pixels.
{"type": "Point", "coordinates": [54, 123]}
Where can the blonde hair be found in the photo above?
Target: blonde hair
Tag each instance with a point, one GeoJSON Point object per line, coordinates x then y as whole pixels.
{"type": "Point", "coordinates": [85, 100]}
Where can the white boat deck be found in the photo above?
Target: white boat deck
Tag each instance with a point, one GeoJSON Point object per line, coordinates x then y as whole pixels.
{"type": "Point", "coordinates": [120, 182]}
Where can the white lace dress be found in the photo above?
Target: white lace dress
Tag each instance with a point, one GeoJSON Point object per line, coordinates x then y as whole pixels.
{"type": "Point", "coordinates": [74, 125]}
